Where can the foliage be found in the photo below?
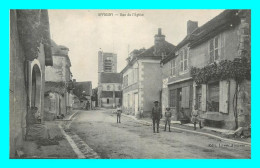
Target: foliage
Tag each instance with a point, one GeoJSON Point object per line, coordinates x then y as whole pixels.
{"type": "Point", "coordinates": [239, 69]}
{"type": "Point", "coordinates": [33, 30]}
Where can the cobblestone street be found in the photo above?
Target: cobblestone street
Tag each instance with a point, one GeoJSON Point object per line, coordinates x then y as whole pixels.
{"type": "Point", "coordinates": [130, 139]}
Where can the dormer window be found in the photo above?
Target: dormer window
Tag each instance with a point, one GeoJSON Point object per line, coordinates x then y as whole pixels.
{"type": "Point", "coordinates": [163, 55]}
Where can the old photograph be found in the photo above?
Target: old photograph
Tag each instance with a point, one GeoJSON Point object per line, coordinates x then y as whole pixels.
{"type": "Point", "coordinates": [130, 84]}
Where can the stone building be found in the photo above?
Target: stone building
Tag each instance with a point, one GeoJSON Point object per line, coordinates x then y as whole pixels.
{"type": "Point", "coordinates": [202, 73]}
{"type": "Point", "coordinates": [142, 76]}
{"type": "Point", "coordinates": [109, 81]}
{"type": "Point", "coordinates": [58, 91]}
{"type": "Point", "coordinates": [30, 52]}
{"type": "Point", "coordinates": [83, 91]}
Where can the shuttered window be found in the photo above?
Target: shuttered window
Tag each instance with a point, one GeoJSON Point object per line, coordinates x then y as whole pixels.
{"type": "Point", "coordinates": [215, 49]}
{"type": "Point", "coordinates": [213, 97]}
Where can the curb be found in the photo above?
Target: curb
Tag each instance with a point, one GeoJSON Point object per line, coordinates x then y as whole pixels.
{"type": "Point", "coordinates": [201, 133]}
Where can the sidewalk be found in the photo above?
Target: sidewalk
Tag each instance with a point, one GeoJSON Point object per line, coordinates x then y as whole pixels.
{"type": "Point", "coordinates": [220, 134]}
{"type": "Point", "coordinates": [62, 150]}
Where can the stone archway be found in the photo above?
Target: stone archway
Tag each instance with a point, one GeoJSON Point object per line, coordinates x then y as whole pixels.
{"type": "Point", "coordinates": [36, 87]}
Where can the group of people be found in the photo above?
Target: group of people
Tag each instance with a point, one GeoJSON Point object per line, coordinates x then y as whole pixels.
{"type": "Point", "coordinates": [157, 116]}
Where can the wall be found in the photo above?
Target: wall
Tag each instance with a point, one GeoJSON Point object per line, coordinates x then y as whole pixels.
{"type": "Point", "coordinates": [152, 79]}
{"type": "Point", "coordinates": [18, 94]}
{"type": "Point", "coordinates": [200, 58]}
{"type": "Point", "coordinates": [57, 72]}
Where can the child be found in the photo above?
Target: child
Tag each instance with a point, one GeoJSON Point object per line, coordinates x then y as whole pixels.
{"type": "Point", "coordinates": [168, 115]}
{"type": "Point", "coordinates": [118, 112]}
{"type": "Point", "coordinates": [195, 118]}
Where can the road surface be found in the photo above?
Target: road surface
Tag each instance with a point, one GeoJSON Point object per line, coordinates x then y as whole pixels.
{"type": "Point", "coordinates": [131, 139]}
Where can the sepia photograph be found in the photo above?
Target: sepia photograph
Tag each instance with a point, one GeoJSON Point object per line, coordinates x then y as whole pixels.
{"type": "Point", "coordinates": [130, 84]}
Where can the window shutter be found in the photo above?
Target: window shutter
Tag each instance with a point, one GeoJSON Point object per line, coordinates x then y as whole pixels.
{"type": "Point", "coordinates": [187, 102]}
{"type": "Point", "coordinates": [183, 94]}
{"type": "Point", "coordinates": [204, 97]}
{"type": "Point", "coordinates": [224, 96]}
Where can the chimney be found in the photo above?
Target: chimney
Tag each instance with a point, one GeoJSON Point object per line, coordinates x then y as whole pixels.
{"type": "Point", "coordinates": [74, 80]}
{"type": "Point", "coordinates": [159, 31]}
{"type": "Point", "coordinates": [159, 40]}
{"type": "Point", "coordinates": [191, 26]}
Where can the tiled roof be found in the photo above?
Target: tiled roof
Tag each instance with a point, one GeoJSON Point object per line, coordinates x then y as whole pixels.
{"type": "Point", "coordinates": [57, 87]}
{"type": "Point", "coordinates": [208, 30]}
{"type": "Point", "coordinates": [80, 87]}
{"type": "Point", "coordinates": [110, 77]}
{"type": "Point", "coordinates": [150, 54]}
{"type": "Point", "coordinates": [225, 20]}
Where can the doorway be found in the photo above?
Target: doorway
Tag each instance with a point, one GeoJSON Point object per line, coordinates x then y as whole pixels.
{"type": "Point", "coordinates": [178, 104]}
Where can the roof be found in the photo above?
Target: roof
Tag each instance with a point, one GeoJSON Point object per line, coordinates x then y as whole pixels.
{"type": "Point", "coordinates": [60, 50]}
{"type": "Point", "coordinates": [83, 87]}
{"type": "Point", "coordinates": [34, 28]}
{"type": "Point", "coordinates": [225, 20]}
{"type": "Point", "coordinates": [208, 30]}
{"type": "Point", "coordinates": [150, 54]}
{"type": "Point", "coordinates": [57, 87]}
{"type": "Point", "coordinates": [106, 77]}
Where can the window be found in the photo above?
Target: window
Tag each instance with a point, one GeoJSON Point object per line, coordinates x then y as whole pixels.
{"type": "Point", "coordinates": [126, 81]}
{"type": "Point", "coordinates": [214, 49]}
{"type": "Point", "coordinates": [173, 67]}
{"type": "Point", "coordinates": [184, 59]}
{"type": "Point", "coordinates": [107, 101]}
{"type": "Point", "coordinates": [135, 74]}
{"type": "Point", "coordinates": [163, 55]}
{"type": "Point", "coordinates": [213, 97]}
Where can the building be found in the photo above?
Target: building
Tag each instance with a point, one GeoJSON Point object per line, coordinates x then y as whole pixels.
{"type": "Point", "coordinates": [58, 91]}
{"type": "Point", "coordinates": [142, 77]}
{"type": "Point", "coordinates": [210, 71]}
{"type": "Point", "coordinates": [83, 91]}
{"type": "Point", "coordinates": [109, 81]}
{"type": "Point", "coordinates": [30, 52]}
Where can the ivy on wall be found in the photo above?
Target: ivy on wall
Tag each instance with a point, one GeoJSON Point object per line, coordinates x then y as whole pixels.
{"type": "Point", "coordinates": [33, 30]}
{"type": "Point", "coordinates": [239, 69]}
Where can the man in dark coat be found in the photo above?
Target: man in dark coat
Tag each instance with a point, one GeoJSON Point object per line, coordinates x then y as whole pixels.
{"type": "Point", "coordinates": [156, 115]}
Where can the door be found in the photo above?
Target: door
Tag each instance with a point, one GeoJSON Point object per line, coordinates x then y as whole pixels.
{"type": "Point", "coordinates": [136, 103]}
{"type": "Point", "coordinates": [178, 105]}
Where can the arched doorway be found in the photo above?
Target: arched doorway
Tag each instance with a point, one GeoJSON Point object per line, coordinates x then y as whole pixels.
{"type": "Point", "coordinates": [36, 87]}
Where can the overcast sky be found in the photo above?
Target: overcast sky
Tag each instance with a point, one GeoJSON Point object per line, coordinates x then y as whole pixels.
{"type": "Point", "coordinates": [84, 33]}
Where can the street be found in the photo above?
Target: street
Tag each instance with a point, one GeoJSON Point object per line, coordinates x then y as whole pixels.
{"type": "Point", "coordinates": [130, 139]}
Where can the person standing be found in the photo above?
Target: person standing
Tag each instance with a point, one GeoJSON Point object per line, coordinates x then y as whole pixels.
{"type": "Point", "coordinates": [156, 115]}
{"type": "Point", "coordinates": [196, 118]}
{"type": "Point", "coordinates": [118, 113]}
{"type": "Point", "coordinates": [168, 115]}
{"type": "Point", "coordinates": [141, 112]}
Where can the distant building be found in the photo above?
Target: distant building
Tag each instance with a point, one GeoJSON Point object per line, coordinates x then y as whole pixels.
{"type": "Point", "coordinates": [142, 76]}
{"type": "Point", "coordinates": [109, 81]}
{"type": "Point", "coordinates": [30, 53]}
{"type": "Point", "coordinates": [83, 91]}
{"type": "Point", "coordinates": [58, 93]}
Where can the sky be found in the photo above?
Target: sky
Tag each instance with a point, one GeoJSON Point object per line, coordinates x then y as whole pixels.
{"type": "Point", "coordinates": [85, 32]}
